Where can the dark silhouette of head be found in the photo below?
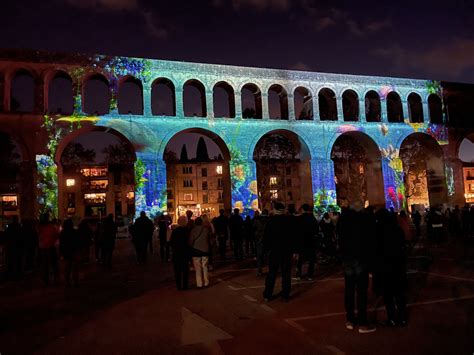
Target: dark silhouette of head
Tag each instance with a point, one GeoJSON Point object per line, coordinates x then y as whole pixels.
{"type": "Point", "coordinates": [236, 211]}
{"type": "Point", "coordinates": [306, 208]}
{"type": "Point", "coordinates": [198, 221]}
{"type": "Point", "coordinates": [189, 214]}
{"type": "Point", "coordinates": [142, 214]}
{"type": "Point", "coordinates": [221, 212]}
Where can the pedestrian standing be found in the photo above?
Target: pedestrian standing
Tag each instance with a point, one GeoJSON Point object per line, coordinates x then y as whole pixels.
{"type": "Point", "coordinates": [142, 232]}
{"type": "Point", "coordinates": [48, 235]}
{"type": "Point", "coordinates": [70, 249]}
{"type": "Point", "coordinates": [199, 240]}
{"type": "Point", "coordinates": [85, 235]}
{"type": "Point", "coordinates": [259, 224]}
{"type": "Point", "coordinates": [416, 218]}
{"type": "Point", "coordinates": [30, 240]}
{"type": "Point", "coordinates": [307, 228]}
{"type": "Point", "coordinates": [212, 239]}
{"type": "Point", "coordinates": [221, 227]}
{"type": "Point", "coordinates": [14, 248]}
{"type": "Point", "coordinates": [110, 235]}
{"type": "Point", "coordinates": [236, 229]}
{"type": "Point", "coordinates": [249, 237]}
{"type": "Point", "coordinates": [163, 226]}
{"type": "Point", "coordinates": [278, 242]}
{"type": "Point", "coordinates": [179, 245]}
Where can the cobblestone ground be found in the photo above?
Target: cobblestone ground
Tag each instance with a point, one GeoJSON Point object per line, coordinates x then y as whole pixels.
{"type": "Point", "coordinates": [135, 309]}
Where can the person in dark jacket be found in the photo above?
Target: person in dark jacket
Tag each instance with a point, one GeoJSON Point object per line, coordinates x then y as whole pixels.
{"type": "Point", "coordinates": [110, 234]}
{"type": "Point", "coordinates": [392, 256]}
{"type": "Point", "coordinates": [307, 229]}
{"type": "Point", "coordinates": [350, 228]}
{"type": "Point", "coordinates": [85, 235]}
{"type": "Point", "coordinates": [48, 235]}
{"type": "Point", "coordinates": [142, 231]}
{"type": "Point", "coordinates": [236, 228]}
{"type": "Point", "coordinates": [328, 229]}
{"type": "Point", "coordinates": [259, 224]}
{"type": "Point", "coordinates": [14, 248]}
{"type": "Point", "coordinates": [30, 240]}
{"type": "Point", "coordinates": [278, 241]}
{"type": "Point", "coordinates": [163, 225]}
{"type": "Point", "coordinates": [221, 226]}
{"type": "Point", "coordinates": [70, 249]}
{"type": "Point", "coordinates": [249, 237]}
{"type": "Point", "coordinates": [179, 245]}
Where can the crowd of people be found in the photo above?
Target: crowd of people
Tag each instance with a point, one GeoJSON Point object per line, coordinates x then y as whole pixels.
{"type": "Point", "coordinates": [366, 241]}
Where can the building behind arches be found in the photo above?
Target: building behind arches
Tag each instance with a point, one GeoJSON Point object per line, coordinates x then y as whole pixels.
{"type": "Point", "coordinates": [317, 108]}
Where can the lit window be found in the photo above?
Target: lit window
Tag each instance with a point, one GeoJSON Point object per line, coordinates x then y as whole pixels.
{"type": "Point", "coordinates": [70, 182]}
{"type": "Point", "coordinates": [273, 194]}
{"type": "Point", "coordinates": [130, 195]}
{"type": "Point", "coordinates": [95, 198]}
{"type": "Point", "coordinates": [219, 169]}
{"type": "Point", "coordinates": [273, 180]}
{"type": "Point", "coordinates": [187, 197]}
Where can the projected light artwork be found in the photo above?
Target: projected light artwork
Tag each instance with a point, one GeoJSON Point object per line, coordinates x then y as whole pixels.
{"type": "Point", "coordinates": [317, 132]}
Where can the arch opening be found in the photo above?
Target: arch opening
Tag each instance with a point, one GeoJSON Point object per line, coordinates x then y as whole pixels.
{"type": "Point", "coordinates": [303, 104]}
{"type": "Point", "coordinates": [424, 175]}
{"type": "Point", "coordinates": [251, 101]}
{"type": "Point", "coordinates": [373, 107]}
{"type": "Point", "coordinates": [130, 97]}
{"type": "Point", "coordinates": [394, 108]}
{"type": "Point", "coordinates": [96, 176]}
{"type": "Point", "coordinates": [350, 106]}
{"type": "Point", "coordinates": [197, 173]}
{"type": "Point", "coordinates": [163, 98]}
{"type": "Point", "coordinates": [22, 97]}
{"type": "Point", "coordinates": [415, 108]}
{"type": "Point", "coordinates": [60, 94]}
{"type": "Point", "coordinates": [194, 99]}
{"type": "Point", "coordinates": [435, 108]}
{"type": "Point", "coordinates": [96, 95]}
{"type": "Point", "coordinates": [224, 100]}
{"type": "Point", "coordinates": [327, 105]}
{"type": "Point", "coordinates": [277, 102]}
{"type": "Point", "coordinates": [283, 170]}
{"type": "Point", "coordinates": [358, 170]}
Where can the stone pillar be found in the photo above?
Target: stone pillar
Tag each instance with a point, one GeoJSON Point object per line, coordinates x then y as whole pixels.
{"type": "Point", "coordinates": [243, 175]}
{"type": "Point", "coordinates": [147, 101]}
{"type": "Point", "coordinates": [27, 193]}
{"type": "Point", "coordinates": [179, 102]}
{"type": "Point", "coordinates": [324, 186]}
{"type": "Point", "coordinates": [291, 108]}
{"type": "Point", "coordinates": [265, 107]}
{"type": "Point", "coordinates": [383, 111]}
{"type": "Point", "coordinates": [340, 111]}
{"type": "Point", "coordinates": [315, 100]}
{"type": "Point", "coordinates": [209, 104]}
{"type": "Point", "coordinates": [455, 181]}
{"type": "Point", "coordinates": [77, 92]}
{"type": "Point", "coordinates": [394, 186]}
{"type": "Point", "coordinates": [362, 116]}
{"type": "Point", "coordinates": [39, 96]}
{"type": "Point", "coordinates": [238, 105]}
{"type": "Point", "coordinates": [150, 191]}
{"type": "Point", "coordinates": [406, 111]}
{"type": "Point", "coordinates": [114, 88]}
{"type": "Point", "coordinates": [426, 113]}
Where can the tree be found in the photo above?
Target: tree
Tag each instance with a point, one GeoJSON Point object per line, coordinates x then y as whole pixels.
{"type": "Point", "coordinates": [118, 154]}
{"type": "Point", "coordinates": [201, 151]}
{"type": "Point", "coordinates": [75, 154]}
{"type": "Point", "coordinates": [9, 156]}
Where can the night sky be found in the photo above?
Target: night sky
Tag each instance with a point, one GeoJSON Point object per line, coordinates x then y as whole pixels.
{"type": "Point", "coordinates": [418, 39]}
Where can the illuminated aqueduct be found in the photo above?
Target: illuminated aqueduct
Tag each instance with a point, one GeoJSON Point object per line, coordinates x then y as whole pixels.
{"type": "Point", "coordinates": [317, 108]}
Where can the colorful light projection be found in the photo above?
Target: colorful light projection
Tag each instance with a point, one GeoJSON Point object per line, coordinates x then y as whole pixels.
{"type": "Point", "coordinates": [149, 135]}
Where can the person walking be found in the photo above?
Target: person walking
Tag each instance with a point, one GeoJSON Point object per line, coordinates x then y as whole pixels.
{"type": "Point", "coordinates": [48, 235]}
{"type": "Point", "coordinates": [236, 229]}
{"type": "Point", "coordinates": [142, 231]}
{"type": "Point", "coordinates": [353, 247]}
{"type": "Point", "coordinates": [70, 249]}
{"type": "Point", "coordinates": [259, 224]}
{"type": "Point", "coordinates": [179, 246]}
{"type": "Point", "coordinates": [221, 226]}
{"type": "Point", "coordinates": [278, 242]}
{"type": "Point", "coordinates": [110, 235]}
{"type": "Point", "coordinates": [199, 240]}
{"type": "Point", "coordinates": [307, 227]}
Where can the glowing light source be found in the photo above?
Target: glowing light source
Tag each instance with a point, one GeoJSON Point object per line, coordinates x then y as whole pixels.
{"type": "Point", "coordinates": [219, 169]}
{"type": "Point", "coordinates": [70, 182]}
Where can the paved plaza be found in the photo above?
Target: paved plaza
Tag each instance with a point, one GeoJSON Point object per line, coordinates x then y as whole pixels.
{"type": "Point", "coordinates": [135, 309]}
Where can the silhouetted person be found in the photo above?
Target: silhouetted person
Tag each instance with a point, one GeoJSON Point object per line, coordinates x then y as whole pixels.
{"type": "Point", "coordinates": [179, 245]}
{"type": "Point", "coordinates": [356, 264]}
{"type": "Point", "coordinates": [48, 235]}
{"type": "Point", "coordinates": [85, 235]}
{"type": "Point", "coordinates": [278, 242]}
{"type": "Point", "coordinates": [249, 237]}
{"type": "Point", "coordinates": [307, 229]}
{"type": "Point", "coordinates": [259, 224]}
{"type": "Point", "coordinates": [14, 248]}
{"type": "Point", "coordinates": [416, 217]}
{"type": "Point", "coordinates": [328, 230]}
{"type": "Point", "coordinates": [70, 249]}
{"type": "Point", "coordinates": [163, 225]}
{"type": "Point", "coordinates": [199, 240]}
{"type": "Point", "coordinates": [236, 229]}
{"type": "Point", "coordinates": [142, 232]}
{"type": "Point", "coordinates": [110, 235]}
{"type": "Point", "coordinates": [30, 241]}
{"type": "Point", "coordinates": [221, 226]}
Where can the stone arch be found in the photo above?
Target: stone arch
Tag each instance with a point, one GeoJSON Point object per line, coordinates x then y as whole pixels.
{"type": "Point", "coordinates": [130, 96]}
{"type": "Point", "coordinates": [100, 102]}
{"type": "Point", "coordinates": [163, 97]}
{"type": "Point", "coordinates": [373, 109]}
{"type": "Point", "coordinates": [277, 102]}
{"type": "Point", "coordinates": [350, 105]}
{"type": "Point", "coordinates": [22, 90]}
{"type": "Point", "coordinates": [327, 104]}
{"type": "Point", "coordinates": [358, 169]}
{"type": "Point", "coordinates": [303, 102]}
{"type": "Point", "coordinates": [224, 100]}
{"type": "Point", "coordinates": [424, 170]}
{"type": "Point", "coordinates": [415, 108]}
{"type": "Point", "coordinates": [251, 101]}
{"type": "Point", "coordinates": [394, 107]}
{"type": "Point", "coordinates": [194, 99]}
{"type": "Point", "coordinates": [435, 109]}
{"type": "Point", "coordinates": [59, 92]}
{"type": "Point", "coordinates": [282, 159]}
